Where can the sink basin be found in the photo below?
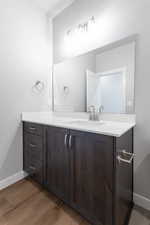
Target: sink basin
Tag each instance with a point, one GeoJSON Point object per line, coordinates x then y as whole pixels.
{"type": "Point", "coordinates": [86, 122]}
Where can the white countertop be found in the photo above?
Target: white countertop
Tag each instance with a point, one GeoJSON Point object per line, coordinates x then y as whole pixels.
{"type": "Point", "coordinates": [111, 124]}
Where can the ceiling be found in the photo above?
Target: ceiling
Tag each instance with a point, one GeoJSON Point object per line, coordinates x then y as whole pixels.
{"type": "Point", "coordinates": [52, 7]}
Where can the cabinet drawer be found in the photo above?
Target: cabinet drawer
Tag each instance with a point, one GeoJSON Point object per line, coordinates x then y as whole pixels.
{"type": "Point", "coordinates": [33, 166]}
{"type": "Point", "coordinates": [33, 141]}
{"type": "Point", "coordinates": [34, 146]}
{"type": "Point", "coordinates": [36, 171]}
{"type": "Point", "coordinates": [33, 128]}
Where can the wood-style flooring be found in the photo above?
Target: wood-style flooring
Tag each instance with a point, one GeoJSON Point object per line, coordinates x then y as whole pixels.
{"type": "Point", "coordinates": [26, 203]}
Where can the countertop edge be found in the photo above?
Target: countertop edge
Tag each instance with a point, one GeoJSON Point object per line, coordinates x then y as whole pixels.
{"type": "Point", "coordinates": [80, 129]}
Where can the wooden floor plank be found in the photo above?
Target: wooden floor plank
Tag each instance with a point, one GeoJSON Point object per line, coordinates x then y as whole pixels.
{"type": "Point", "coordinates": [3, 221]}
{"type": "Point", "coordinates": [25, 203]}
{"type": "Point", "coordinates": [30, 211]}
{"type": "Point", "coordinates": [5, 206]}
{"type": "Point", "coordinates": [19, 192]}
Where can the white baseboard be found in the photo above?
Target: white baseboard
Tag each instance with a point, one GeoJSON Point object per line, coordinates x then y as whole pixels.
{"type": "Point", "coordinates": [142, 201]}
{"type": "Point", "coordinates": [12, 179]}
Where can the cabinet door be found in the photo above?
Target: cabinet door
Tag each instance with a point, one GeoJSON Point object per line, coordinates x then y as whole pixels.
{"type": "Point", "coordinates": [58, 163]}
{"type": "Point", "coordinates": [124, 180]}
{"type": "Point", "coordinates": [92, 168]}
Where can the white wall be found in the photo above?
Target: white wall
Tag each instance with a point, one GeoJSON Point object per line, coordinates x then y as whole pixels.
{"type": "Point", "coordinates": [24, 58]}
{"type": "Point", "coordinates": [119, 19]}
{"type": "Point", "coordinates": [93, 93]}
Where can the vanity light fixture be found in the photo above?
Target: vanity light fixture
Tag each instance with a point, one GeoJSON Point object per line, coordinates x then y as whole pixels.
{"type": "Point", "coordinates": [82, 27]}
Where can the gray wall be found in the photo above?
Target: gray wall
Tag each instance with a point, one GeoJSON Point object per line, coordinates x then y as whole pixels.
{"type": "Point", "coordinates": [24, 55]}
{"type": "Point", "coordinates": [119, 19]}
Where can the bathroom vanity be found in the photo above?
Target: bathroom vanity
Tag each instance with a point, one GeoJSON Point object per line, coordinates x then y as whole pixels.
{"type": "Point", "coordinates": [88, 165]}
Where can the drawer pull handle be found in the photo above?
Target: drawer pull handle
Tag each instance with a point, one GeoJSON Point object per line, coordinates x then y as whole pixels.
{"type": "Point", "coordinates": [32, 146]}
{"type": "Point", "coordinates": [70, 141]}
{"type": "Point", "coordinates": [65, 140]}
{"type": "Point", "coordinates": [32, 128]}
{"type": "Point", "coordinates": [32, 168]}
{"type": "Point", "coordinates": [125, 157]}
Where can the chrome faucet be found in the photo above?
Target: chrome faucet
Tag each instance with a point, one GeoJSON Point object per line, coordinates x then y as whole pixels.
{"type": "Point", "coordinates": [94, 114]}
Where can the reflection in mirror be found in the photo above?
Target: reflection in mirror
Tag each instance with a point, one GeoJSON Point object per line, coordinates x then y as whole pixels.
{"type": "Point", "coordinates": [107, 89]}
{"type": "Point", "coordinates": [99, 78]}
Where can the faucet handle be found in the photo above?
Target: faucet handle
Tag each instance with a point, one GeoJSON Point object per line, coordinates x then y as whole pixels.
{"type": "Point", "coordinates": [91, 108]}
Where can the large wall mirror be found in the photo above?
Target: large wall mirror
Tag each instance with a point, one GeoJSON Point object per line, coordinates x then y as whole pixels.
{"type": "Point", "coordinates": [103, 78]}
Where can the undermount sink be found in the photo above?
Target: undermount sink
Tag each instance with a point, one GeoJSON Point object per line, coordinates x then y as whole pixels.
{"type": "Point", "coordinates": [86, 122]}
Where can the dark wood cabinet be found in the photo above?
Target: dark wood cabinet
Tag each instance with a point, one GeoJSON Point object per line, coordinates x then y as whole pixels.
{"type": "Point", "coordinates": [84, 170]}
{"type": "Point", "coordinates": [58, 162]}
{"type": "Point", "coordinates": [123, 180]}
{"type": "Point", "coordinates": [92, 176]}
